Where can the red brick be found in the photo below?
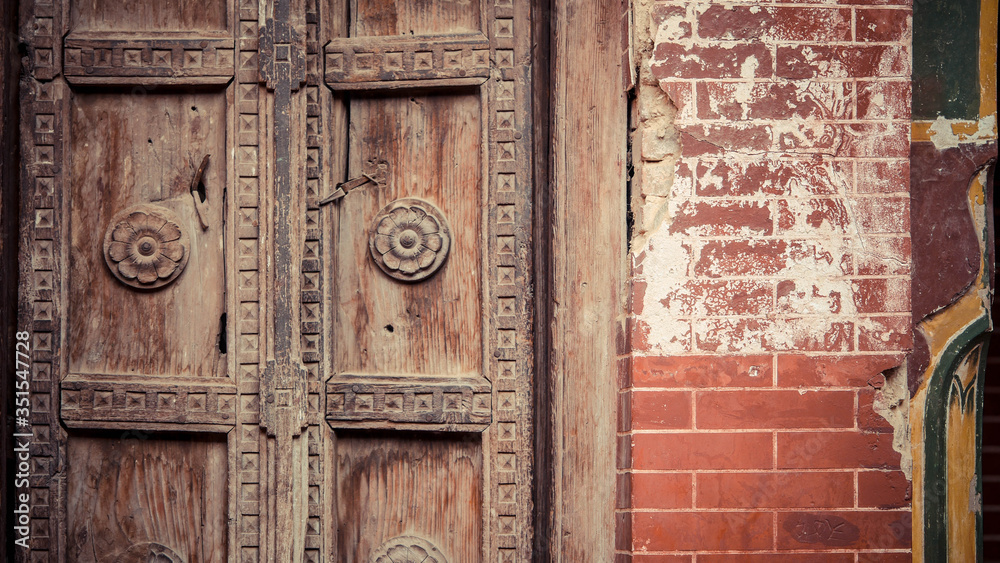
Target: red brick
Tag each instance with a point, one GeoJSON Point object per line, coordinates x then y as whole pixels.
{"type": "Point", "coordinates": [883, 176]}
{"type": "Point", "coordinates": [623, 452]}
{"type": "Point", "coordinates": [624, 411]}
{"type": "Point", "coordinates": [702, 371]}
{"type": "Point", "coordinates": [722, 139]}
{"type": "Point", "coordinates": [882, 214]}
{"type": "Point", "coordinates": [638, 334]}
{"type": "Point", "coordinates": [623, 490]}
{"type": "Point", "coordinates": [883, 489]}
{"type": "Point", "coordinates": [875, 139]}
{"type": "Point", "coordinates": [885, 295]}
{"type": "Point", "coordinates": [731, 297]}
{"type": "Point", "coordinates": [741, 258]}
{"type": "Point", "coordinates": [661, 490]}
{"type": "Point", "coordinates": [777, 558]}
{"type": "Point", "coordinates": [884, 99]}
{"type": "Point", "coordinates": [638, 297]}
{"type": "Point", "coordinates": [660, 14]}
{"type": "Point", "coordinates": [720, 217]}
{"type": "Point", "coordinates": [770, 100]}
{"type": "Point", "coordinates": [844, 529]}
{"type": "Point", "coordinates": [822, 61]}
{"type": "Point", "coordinates": [708, 531]}
{"type": "Point", "coordinates": [775, 409]}
{"type": "Point", "coordinates": [868, 419]}
{"type": "Point", "coordinates": [814, 335]}
{"type": "Point", "coordinates": [733, 335]}
{"type": "Point", "coordinates": [877, 2]}
{"type": "Point", "coordinates": [836, 450]}
{"type": "Point", "coordinates": [803, 297]}
{"type": "Point", "coordinates": [884, 334]}
{"type": "Point", "coordinates": [680, 93]}
{"type": "Point", "coordinates": [624, 372]}
{"type": "Point", "coordinates": [874, 26]}
{"type": "Point", "coordinates": [822, 253]}
{"type": "Point", "coordinates": [661, 409]}
{"type": "Point", "coordinates": [775, 490]}
{"type": "Point", "coordinates": [623, 531]}
{"type": "Point", "coordinates": [648, 558]}
{"type": "Point", "coordinates": [651, 558]}
{"type": "Point", "coordinates": [883, 557]}
{"type": "Point", "coordinates": [677, 60]}
{"type": "Point", "coordinates": [885, 256]}
{"type": "Point", "coordinates": [811, 136]}
{"type": "Point", "coordinates": [729, 177]}
{"type": "Point", "coordinates": [800, 370]}
{"type": "Point", "coordinates": [770, 24]}
{"type": "Point", "coordinates": [813, 216]}
{"type": "Point", "coordinates": [702, 450]}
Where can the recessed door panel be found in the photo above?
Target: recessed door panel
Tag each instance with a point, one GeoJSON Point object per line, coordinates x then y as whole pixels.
{"type": "Point", "coordinates": [421, 17]}
{"type": "Point", "coordinates": [428, 148]}
{"type": "Point", "coordinates": [138, 497]}
{"type": "Point", "coordinates": [140, 153]}
{"type": "Point", "coordinates": [148, 15]}
{"type": "Point", "coordinates": [417, 492]}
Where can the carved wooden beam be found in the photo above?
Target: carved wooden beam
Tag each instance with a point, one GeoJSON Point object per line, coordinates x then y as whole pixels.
{"type": "Point", "coordinates": [374, 63]}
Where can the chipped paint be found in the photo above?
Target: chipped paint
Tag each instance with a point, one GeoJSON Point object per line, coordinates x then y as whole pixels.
{"type": "Point", "coordinates": [892, 402]}
{"type": "Point", "coordinates": [949, 133]}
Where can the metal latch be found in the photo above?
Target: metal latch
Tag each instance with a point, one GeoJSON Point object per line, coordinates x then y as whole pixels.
{"type": "Point", "coordinates": [199, 205]}
{"type": "Point", "coordinates": [344, 187]}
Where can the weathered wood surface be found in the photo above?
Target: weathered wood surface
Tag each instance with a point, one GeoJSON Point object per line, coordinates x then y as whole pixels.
{"type": "Point", "coordinates": [120, 135]}
{"type": "Point", "coordinates": [133, 494]}
{"type": "Point", "coordinates": [392, 17]}
{"type": "Point", "coordinates": [130, 150]}
{"type": "Point", "coordinates": [382, 402]}
{"type": "Point", "coordinates": [372, 63]}
{"type": "Point", "coordinates": [589, 261]}
{"type": "Point", "coordinates": [102, 58]}
{"type": "Point", "coordinates": [10, 67]}
{"type": "Point", "coordinates": [430, 144]}
{"type": "Point", "coordinates": [392, 485]}
{"type": "Point", "coordinates": [148, 15]}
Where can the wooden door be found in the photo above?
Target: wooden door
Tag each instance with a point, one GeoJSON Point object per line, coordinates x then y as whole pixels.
{"type": "Point", "coordinates": [276, 280]}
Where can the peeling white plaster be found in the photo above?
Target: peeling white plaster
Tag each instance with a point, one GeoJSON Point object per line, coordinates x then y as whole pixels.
{"type": "Point", "coordinates": [892, 402]}
{"type": "Point", "coordinates": [943, 135]}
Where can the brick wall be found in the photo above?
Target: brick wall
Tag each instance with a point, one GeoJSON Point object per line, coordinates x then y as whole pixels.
{"type": "Point", "coordinates": [771, 285]}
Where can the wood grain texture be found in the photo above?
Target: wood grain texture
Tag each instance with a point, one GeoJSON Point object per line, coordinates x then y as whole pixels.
{"type": "Point", "coordinates": [421, 17]}
{"type": "Point", "coordinates": [135, 489]}
{"type": "Point", "coordinates": [130, 150]}
{"type": "Point", "coordinates": [422, 485]}
{"type": "Point", "coordinates": [589, 133]}
{"type": "Point", "coordinates": [431, 146]}
{"type": "Point", "coordinates": [393, 62]}
{"type": "Point", "coordinates": [148, 15]}
{"type": "Point", "coordinates": [10, 69]}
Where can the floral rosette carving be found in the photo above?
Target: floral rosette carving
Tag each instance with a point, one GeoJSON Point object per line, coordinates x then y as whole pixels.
{"type": "Point", "coordinates": [145, 246]}
{"type": "Point", "coordinates": [407, 549]}
{"type": "Point", "coordinates": [409, 239]}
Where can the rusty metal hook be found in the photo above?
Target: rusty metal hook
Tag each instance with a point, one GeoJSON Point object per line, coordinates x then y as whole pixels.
{"type": "Point", "coordinates": [344, 187]}
{"type": "Point", "coordinates": [199, 205]}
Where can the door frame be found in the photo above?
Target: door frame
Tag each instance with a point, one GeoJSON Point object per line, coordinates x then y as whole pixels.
{"type": "Point", "coordinates": [578, 196]}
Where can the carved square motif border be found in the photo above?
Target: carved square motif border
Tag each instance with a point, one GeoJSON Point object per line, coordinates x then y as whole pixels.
{"type": "Point", "coordinates": [509, 251]}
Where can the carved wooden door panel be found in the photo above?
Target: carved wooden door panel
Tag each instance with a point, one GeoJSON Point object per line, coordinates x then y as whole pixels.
{"type": "Point", "coordinates": [430, 340]}
{"type": "Point", "coordinates": [276, 265]}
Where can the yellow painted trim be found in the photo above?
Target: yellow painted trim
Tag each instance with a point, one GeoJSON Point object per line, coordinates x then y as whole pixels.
{"type": "Point", "coordinates": [917, 410]}
{"type": "Point", "coordinates": [939, 330]}
{"type": "Point", "coordinates": [988, 58]}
